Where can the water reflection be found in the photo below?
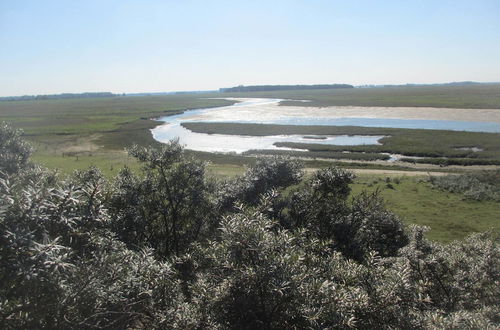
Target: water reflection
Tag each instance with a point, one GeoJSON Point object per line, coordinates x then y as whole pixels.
{"type": "Point", "coordinates": [258, 111]}
{"type": "Point", "coordinates": [240, 143]}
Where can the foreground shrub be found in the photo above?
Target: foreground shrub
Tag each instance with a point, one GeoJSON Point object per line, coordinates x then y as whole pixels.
{"type": "Point", "coordinates": [267, 174]}
{"type": "Point", "coordinates": [169, 248]}
{"type": "Point", "coordinates": [355, 228]}
{"type": "Point", "coordinates": [257, 276]}
{"type": "Point", "coordinates": [167, 207]}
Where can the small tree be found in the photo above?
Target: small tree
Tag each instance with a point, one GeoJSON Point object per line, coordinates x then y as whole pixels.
{"type": "Point", "coordinates": [321, 205]}
{"type": "Point", "coordinates": [321, 202]}
{"type": "Point", "coordinates": [14, 150]}
{"type": "Point", "coordinates": [168, 206]}
{"type": "Point", "coordinates": [267, 174]}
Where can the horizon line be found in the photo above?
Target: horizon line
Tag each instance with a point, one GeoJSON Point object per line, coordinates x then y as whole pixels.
{"type": "Point", "coordinates": [452, 83]}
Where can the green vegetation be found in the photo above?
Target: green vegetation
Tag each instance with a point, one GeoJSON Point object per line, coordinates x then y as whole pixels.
{"type": "Point", "coordinates": [72, 134]}
{"type": "Point", "coordinates": [97, 115]}
{"type": "Point", "coordinates": [409, 142]}
{"type": "Point", "coordinates": [322, 154]}
{"type": "Point", "coordinates": [170, 247]}
{"type": "Point", "coordinates": [449, 215]}
{"type": "Point", "coordinates": [476, 186]}
{"type": "Point", "coordinates": [57, 96]}
{"type": "Point", "coordinates": [413, 198]}
{"type": "Point", "coordinates": [109, 163]}
{"type": "Point", "coordinates": [452, 161]}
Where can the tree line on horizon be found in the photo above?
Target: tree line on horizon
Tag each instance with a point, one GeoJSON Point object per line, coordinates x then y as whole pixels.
{"type": "Point", "coordinates": [58, 96]}
{"type": "Point", "coordinates": [264, 88]}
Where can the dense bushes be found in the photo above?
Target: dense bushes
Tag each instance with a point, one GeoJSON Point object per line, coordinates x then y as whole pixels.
{"type": "Point", "coordinates": [167, 207]}
{"type": "Point", "coordinates": [170, 247]}
{"type": "Point", "coordinates": [452, 161]}
{"type": "Point", "coordinates": [478, 186]}
{"type": "Point", "coordinates": [368, 156]}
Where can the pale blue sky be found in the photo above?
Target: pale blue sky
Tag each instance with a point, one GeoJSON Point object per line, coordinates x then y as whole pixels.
{"type": "Point", "coordinates": [136, 46]}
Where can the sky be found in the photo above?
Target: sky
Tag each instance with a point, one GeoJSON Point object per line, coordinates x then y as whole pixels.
{"type": "Point", "coordinates": [126, 46]}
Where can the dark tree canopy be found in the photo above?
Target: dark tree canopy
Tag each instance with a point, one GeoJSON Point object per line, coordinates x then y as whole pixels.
{"type": "Point", "coordinates": [264, 88]}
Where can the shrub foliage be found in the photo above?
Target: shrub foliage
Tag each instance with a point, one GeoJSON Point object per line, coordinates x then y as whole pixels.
{"type": "Point", "coordinates": [478, 186]}
{"type": "Point", "coordinates": [170, 248]}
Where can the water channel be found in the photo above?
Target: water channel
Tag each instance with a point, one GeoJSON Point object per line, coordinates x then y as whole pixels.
{"type": "Point", "coordinates": [265, 111]}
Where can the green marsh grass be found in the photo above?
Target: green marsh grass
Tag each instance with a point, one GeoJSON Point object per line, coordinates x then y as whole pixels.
{"type": "Point", "coordinates": [450, 216]}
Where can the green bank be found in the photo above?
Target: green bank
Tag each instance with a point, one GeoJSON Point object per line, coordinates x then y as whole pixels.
{"type": "Point", "coordinates": [437, 146]}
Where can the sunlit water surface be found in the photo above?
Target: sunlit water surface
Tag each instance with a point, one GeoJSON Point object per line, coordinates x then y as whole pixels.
{"type": "Point", "coordinates": [244, 112]}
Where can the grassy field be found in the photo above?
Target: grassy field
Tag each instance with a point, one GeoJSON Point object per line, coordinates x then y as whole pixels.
{"type": "Point", "coordinates": [360, 156]}
{"type": "Point", "coordinates": [467, 96]}
{"type": "Point", "coordinates": [91, 115]}
{"type": "Point", "coordinates": [449, 215]}
{"type": "Point", "coordinates": [111, 123]}
{"type": "Point", "coordinates": [75, 133]}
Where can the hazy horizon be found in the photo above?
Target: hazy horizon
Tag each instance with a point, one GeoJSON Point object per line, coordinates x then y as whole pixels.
{"type": "Point", "coordinates": [217, 89]}
{"type": "Point", "coordinates": [54, 47]}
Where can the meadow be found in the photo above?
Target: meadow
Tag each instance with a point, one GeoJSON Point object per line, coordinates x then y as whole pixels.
{"type": "Point", "coordinates": [71, 134]}
{"type": "Point", "coordinates": [450, 216]}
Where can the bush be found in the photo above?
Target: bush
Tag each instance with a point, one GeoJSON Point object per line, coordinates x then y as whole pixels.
{"type": "Point", "coordinates": [167, 207]}
{"type": "Point", "coordinates": [14, 151]}
{"type": "Point", "coordinates": [478, 186]}
{"type": "Point", "coordinates": [158, 250]}
{"type": "Point", "coordinates": [267, 174]}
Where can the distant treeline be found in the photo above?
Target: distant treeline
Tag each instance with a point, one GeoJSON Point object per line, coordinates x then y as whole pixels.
{"type": "Point", "coordinates": [57, 96]}
{"type": "Point", "coordinates": [262, 88]}
{"type": "Point", "coordinates": [454, 83]}
{"type": "Point", "coordinates": [171, 93]}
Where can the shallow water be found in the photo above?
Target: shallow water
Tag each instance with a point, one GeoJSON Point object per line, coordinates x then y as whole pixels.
{"type": "Point", "coordinates": [251, 111]}
{"type": "Point", "coordinates": [242, 143]}
{"type": "Point", "coordinates": [397, 123]}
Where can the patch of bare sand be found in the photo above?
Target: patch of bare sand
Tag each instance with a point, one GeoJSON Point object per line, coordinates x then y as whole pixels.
{"type": "Point", "coordinates": [481, 115]}
{"type": "Point", "coordinates": [79, 144]}
{"type": "Point", "coordinates": [84, 147]}
{"type": "Point", "coordinates": [273, 110]}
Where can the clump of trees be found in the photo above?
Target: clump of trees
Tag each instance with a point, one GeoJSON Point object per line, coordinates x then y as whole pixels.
{"type": "Point", "coordinates": [171, 247]}
{"type": "Point", "coordinates": [264, 88]}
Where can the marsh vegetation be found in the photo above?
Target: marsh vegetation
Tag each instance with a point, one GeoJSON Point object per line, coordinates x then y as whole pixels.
{"type": "Point", "coordinates": [436, 145]}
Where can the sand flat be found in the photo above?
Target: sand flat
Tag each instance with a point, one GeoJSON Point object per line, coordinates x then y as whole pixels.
{"type": "Point", "coordinates": [271, 111]}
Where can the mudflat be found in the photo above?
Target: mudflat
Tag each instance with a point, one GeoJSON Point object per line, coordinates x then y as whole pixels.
{"type": "Point", "coordinates": [272, 110]}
